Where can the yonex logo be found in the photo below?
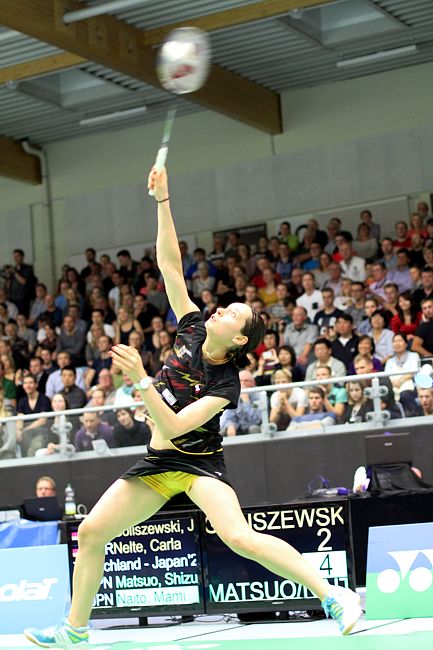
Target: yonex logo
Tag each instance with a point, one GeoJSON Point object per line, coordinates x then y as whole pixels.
{"type": "Point", "coordinates": [26, 590]}
{"type": "Point", "coordinates": [420, 579]}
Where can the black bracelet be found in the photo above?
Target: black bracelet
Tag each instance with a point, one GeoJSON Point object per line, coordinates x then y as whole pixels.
{"type": "Point", "coordinates": [163, 200]}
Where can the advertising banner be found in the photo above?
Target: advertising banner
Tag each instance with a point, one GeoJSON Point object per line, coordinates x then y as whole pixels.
{"type": "Point", "coordinates": [400, 571]}
{"type": "Point", "coordinates": [34, 587]}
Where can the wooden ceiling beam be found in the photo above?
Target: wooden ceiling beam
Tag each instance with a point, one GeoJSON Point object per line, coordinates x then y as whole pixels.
{"type": "Point", "coordinates": [41, 66]}
{"type": "Point", "coordinates": [15, 163]}
{"type": "Point", "coordinates": [117, 45]}
{"type": "Point", "coordinates": [232, 17]}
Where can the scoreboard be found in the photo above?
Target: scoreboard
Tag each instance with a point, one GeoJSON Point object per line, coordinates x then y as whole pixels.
{"type": "Point", "coordinates": [320, 531]}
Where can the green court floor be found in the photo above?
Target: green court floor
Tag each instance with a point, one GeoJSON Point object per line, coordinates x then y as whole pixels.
{"type": "Point", "coordinates": [416, 640]}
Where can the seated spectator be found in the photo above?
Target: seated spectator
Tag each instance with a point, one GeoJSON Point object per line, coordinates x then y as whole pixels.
{"type": "Point", "coordinates": [247, 415]}
{"type": "Point", "coordinates": [425, 399]}
{"type": "Point", "coordinates": [124, 325]}
{"type": "Point", "coordinates": [391, 298]}
{"type": "Point", "coordinates": [416, 253]}
{"type": "Point", "coordinates": [7, 386]}
{"type": "Point", "coordinates": [317, 416]}
{"type": "Point", "coordinates": [388, 256]}
{"type": "Point", "coordinates": [29, 431]}
{"type": "Point", "coordinates": [128, 432]}
{"type": "Point", "coordinates": [366, 347]}
{"type": "Point", "coordinates": [428, 253]}
{"type": "Point", "coordinates": [321, 273]}
{"type": "Point", "coordinates": [74, 394]}
{"type": "Point", "coordinates": [37, 306]}
{"type": "Point", "coordinates": [403, 360]}
{"type": "Point", "coordinates": [55, 383]}
{"type": "Point", "coordinates": [143, 312]}
{"type": "Point", "coordinates": [327, 317]}
{"type": "Point", "coordinates": [357, 308]}
{"type": "Point", "coordinates": [97, 318]}
{"type": "Point", "coordinates": [381, 335]}
{"type": "Point", "coordinates": [287, 360]}
{"type": "Point", "coordinates": [408, 315]}
{"type": "Point", "coordinates": [364, 366]}
{"type": "Point", "coordinates": [91, 351]}
{"type": "Point", "coordinates": [49, 440]}
{"type": "Point", "coordinates": [8, 441]}
{"type": "Point", "coordinates": [367, 218]}
{"type": "Point", "coordinates": [333, 228]}
{"type": "Point", "coordinates": [286, 403]}
{"type": "Point", "coordinates": [357, 406]}
{"type": "Point", "coordinates": [36, 369]}
{"type": "Point", "coordinates": [20, 349]}
{"type": "Point", "coordinates": [268, 359]}
{"type": "Point", "coordinates": [313, 262]}
{"type": "Point", "coordinates": [25, 333]}
{"type": "Point", "coordinates": [335, 396]}
{"type": "Point", "coordinates": [268, 293]}
{"type": "Point", "coordinates": [123, 395]}
{"type": "Point", "coordinates": [323, 356]}
{"type": "Point", "coordinates": [426, 289]}
{"type": "Point", "coordinates": [92, 429]}
{"type": "Point", "coordinates": [106, 383]}
{"type": "Point", "coordinates": [335, 278]}
{"type": "Point", "coordinates": [51, 313]}
{"type": "Point", "coordinates": [416, 226]}
{"type": "Point", "coordinates": [344, 300]}
{"type": "Point", "coordinates": [400, 275]}
{"type": "Point", "coordinates": [277, 310]}
{"type": "Point", "coordinates": [365, 245]}
{"type": "Point", "coordinates": [48, 336]}
{"type": "Point", "coordinates": [284, 265]}
{"type": "Point", "coordinates": [380, 275]}
{"type": "Point", "coordinates": [288, 237]}
{"type": "Point", "coordinates": [345, 343]}
{"type": "Point", "coordinates": [45, 487]}
{"type": "Point", "coordinates": [300, 335]}
{"type": "Point", "coordinates": [294, 286]}
{"type": "Point", "coordinates": [352, 265]}
{"type": "Point", "coordinates": [102, 361]}
{"type": "Point", "coordinates": [72, 340]}
{"type": "Point", "coordinates": [97, 398]}
{"type": "Point", "coordinates": [422, 342]}
{"type": "Point", "coordinates": [311, 299]}
{"type": "Point", "coordinates": [402, 239]}
{"type": "Point", "coordinates": [202, 280]}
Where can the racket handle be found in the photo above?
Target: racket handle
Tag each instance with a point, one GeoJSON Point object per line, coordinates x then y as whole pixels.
{"type": "Point", "coordinates": [160, 162]}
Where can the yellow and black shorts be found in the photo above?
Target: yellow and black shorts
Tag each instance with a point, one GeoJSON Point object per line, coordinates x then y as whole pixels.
{"type": "Point", "coordinates": [168, 484]}
{"type": "Point", "coordinates": [170, 472]}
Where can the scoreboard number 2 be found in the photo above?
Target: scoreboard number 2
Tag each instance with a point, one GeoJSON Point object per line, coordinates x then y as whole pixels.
{"type": "Point", "coordinates": [327, 534]}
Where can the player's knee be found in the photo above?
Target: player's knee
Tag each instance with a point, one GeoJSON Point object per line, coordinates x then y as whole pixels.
{"type": "Point", "coordinates": [90, 534]}
{"type": "Point", "coordinates": [241, 541]}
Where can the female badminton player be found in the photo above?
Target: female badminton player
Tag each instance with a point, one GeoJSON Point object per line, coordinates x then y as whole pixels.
{"type": "Point", "coordinates": [198, 381]}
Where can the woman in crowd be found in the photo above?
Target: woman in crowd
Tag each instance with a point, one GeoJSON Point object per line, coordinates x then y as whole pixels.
{"type": "Point", "coordinates": [209, 303]}
{"type": "Point", "coordinates": [381, 335]}
{"type": "Point", "coordinates": [286, 403]}
{"type": "Point", "coordinates": [403, 360]}
{"type": "Point", "coordinates": [124, 325]}
{"type": "Point", "coordinates": [322, 273]}
{"type": "Point", "coordinates": [357, 406]}
{"type": "Point", "coordinates": [417, 227]}
{"type": "Point", "coordinates": [268, 359]}
{"type": "Point", "coordinates": [408, 316]}
{"type": "Point", "coordinates": [365, 245]}
{"type": "Point", "coordinates": [185, 453]}
{"type": "Point", "coordinates": [160, 354]}
{"type": "Point", "coordinates": [287, 359]}
{"type": "Point", "coordinates": [345, 299]}
{"type": "Point", "coordinates": [49, 340]}
{"type": "Point", "coordinates": [45, 439]}
{"type": "Point", "coordinates": [8, 441]}
{"type": "Point", "coordinates": [268, 293]}
{"type": "Point", "coordinates": [202, 280]}
{"type": "Point", "coordinates": [366, 347]}
{"type": "Point", "coordinates": [247, 262]}
{"type": "Point", "coordinates": [92, 349]}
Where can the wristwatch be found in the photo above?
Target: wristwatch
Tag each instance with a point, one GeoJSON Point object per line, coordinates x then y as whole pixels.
{"type": "Point", "coordinates": [144, 383]}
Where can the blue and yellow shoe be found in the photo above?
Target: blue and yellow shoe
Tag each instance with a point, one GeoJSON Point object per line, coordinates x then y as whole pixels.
{"type": "Point", "coordinates": [343, 605]}
{"type": "Point", "coordinates": [61, 636]}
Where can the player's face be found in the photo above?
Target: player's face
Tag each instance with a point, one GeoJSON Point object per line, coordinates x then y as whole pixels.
{"type": "Point", "coordinates": [229, 322]}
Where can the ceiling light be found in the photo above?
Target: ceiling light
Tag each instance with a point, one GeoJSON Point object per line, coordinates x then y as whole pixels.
{"type": "Point", "coordinates": [377, 56]}
{"type": "Point", "coordinates": [117, 115]}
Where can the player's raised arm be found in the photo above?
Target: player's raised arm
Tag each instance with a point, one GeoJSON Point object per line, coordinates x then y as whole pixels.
{"type": "Point", "coordinates": [167, 248]}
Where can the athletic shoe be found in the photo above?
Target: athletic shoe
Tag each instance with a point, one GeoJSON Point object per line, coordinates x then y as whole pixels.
{"type": "Point", "coordinates": [61, 636]}
{"type": "Point", "coordinates": [343, 605]}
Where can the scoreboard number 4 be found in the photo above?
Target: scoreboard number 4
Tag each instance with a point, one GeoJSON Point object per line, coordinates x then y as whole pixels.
{"type": "Point", "coordinates": [326, 564]}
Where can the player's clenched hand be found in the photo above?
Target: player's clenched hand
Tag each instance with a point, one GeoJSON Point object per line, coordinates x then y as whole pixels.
{"type": "Point", "coordinates": [129, 361]}
{"type": "Point", "coordinates": [158, 182]}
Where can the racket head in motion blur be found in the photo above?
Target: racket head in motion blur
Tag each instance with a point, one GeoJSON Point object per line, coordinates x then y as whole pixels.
{"type": "Point", "coordinates": [182, 66]}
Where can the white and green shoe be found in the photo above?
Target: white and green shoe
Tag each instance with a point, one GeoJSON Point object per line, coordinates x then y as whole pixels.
{"type": "Point", "coordinates": [62, 636]}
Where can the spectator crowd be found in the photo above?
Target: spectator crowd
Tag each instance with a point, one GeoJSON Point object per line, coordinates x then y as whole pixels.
{"type": "Point", "coordinates": [334, 304]}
